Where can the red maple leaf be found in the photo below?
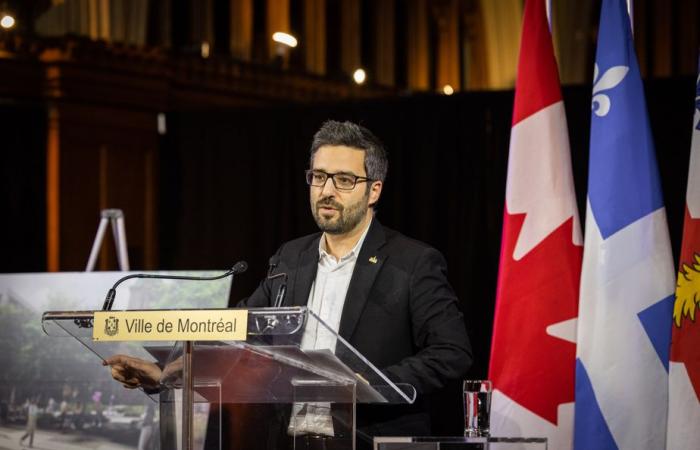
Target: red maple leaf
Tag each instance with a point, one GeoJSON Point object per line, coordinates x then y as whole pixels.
{"type": "Point", "coordinates": [531, 367]}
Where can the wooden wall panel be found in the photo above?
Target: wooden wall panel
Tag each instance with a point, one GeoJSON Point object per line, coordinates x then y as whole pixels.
{"type": "Point", "coordinates": [106, 160]}
{"type": "Point", "coordinates": [418, 52]}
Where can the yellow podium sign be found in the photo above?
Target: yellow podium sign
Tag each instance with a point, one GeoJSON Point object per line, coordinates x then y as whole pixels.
{"type": "Point", "coordinates": [175, 325]}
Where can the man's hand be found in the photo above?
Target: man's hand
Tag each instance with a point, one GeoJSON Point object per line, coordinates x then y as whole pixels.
{"type": "Point", "coordinates": [172, 372]}
{"type": "Point", "coordinates": [134, 372]}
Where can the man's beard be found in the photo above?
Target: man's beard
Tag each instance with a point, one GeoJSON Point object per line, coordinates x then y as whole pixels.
{"type": "Point", "coordinates": [347, 218]}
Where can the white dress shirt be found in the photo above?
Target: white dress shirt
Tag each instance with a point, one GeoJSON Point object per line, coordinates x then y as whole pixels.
{"type": "Point", "coordinates": [326, 300]}
{"type": "Point", "coordinates": [328, 292]}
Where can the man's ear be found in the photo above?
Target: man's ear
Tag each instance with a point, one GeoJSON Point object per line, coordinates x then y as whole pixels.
{"type": "Point", "coordinates": [375, 191]}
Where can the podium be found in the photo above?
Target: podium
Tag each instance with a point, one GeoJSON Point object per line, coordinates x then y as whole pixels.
{"type": "Point", "coordinates": [303, 392]}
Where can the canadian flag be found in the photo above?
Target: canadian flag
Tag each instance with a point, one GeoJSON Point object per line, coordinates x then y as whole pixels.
{"type": "Point", "coordinates": [533, 350]}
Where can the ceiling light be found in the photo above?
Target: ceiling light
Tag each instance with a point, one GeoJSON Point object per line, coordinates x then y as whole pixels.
{"type": "Point", "coordinates": [7, 21]}
{"type": "Point", "coordinates": [359, 76]}
{"type": "Point", "coordinates": [285, 38]}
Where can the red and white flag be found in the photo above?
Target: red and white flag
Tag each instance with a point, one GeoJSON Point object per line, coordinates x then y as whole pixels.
{"type": "Point", "coordinates": [684, 366]}
{"type": "Point", "coordinates": [534, 339]}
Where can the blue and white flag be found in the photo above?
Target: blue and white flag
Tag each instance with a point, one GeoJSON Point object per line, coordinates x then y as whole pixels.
{"type": "Point", "coordinates": [627, 279]}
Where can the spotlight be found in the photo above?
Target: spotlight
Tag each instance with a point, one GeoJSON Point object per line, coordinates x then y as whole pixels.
{"type": "Point", "coordinates": [285, 39]}
{"type": "Point", "coordinates": [448, 90]}
{"type": "Point", "coordinates": [7, 21]}
{"type": "Point", "coordinates": [204, 49]}
{"type": "Point", "coordinates": [359, 76]}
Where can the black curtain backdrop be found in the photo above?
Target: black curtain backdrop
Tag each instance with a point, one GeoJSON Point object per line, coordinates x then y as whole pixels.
{"type": "Point", "coordinates": [232, 185]}
{"type": "Point", "coordinates": [22, 187]}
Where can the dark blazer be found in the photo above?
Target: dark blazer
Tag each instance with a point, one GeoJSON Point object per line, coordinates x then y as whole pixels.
{"type": "Point", "coordinates": [400, 312]}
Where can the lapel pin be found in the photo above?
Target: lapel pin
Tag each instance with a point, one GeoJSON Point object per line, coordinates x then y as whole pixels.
{"type": "Point", "coordinates": [373, 259]}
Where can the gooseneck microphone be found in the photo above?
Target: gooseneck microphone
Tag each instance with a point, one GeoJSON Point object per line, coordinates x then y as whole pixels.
{"type": "Point", "coordinates": [279, 298]}
{"type": "Point", "coordinates": [238, 268]}
{"type": "Point", "coordinates": [274, 262]}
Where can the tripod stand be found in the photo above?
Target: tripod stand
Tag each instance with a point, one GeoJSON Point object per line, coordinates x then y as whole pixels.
{"type": "Point", "coordinates": [114, 217]}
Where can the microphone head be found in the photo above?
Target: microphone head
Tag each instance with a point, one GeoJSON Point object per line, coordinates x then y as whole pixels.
{"type": "Point", "coordinates": [240, 267]}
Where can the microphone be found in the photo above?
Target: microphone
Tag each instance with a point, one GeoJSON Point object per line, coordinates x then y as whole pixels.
{"type": "Point", "coordinates": [274, 262]}
{"type": "Point", "coordinates": [238, 268]}
{"type": "Point", "coordinates": [279, 298]}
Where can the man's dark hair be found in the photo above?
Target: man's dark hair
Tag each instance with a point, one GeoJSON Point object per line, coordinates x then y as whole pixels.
{"type": "Point", "coordinates": [356, 136]}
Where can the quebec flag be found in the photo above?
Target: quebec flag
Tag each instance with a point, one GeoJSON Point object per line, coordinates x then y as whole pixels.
{"type": "Point", "coordinates": [627, 279]}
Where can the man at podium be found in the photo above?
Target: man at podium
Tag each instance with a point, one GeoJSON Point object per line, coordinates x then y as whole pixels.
{"type": "Point", "coordinates": [384, 293]}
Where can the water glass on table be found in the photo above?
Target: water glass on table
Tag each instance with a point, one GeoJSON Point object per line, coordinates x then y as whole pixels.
{"type": "Point", "coordinates": [477, 407]}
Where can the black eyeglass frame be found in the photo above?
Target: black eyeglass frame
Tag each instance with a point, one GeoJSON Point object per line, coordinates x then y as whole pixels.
{"type": "Point", "coordinates": [358, 179]}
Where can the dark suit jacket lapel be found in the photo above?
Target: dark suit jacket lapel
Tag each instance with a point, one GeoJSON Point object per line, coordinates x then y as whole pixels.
{"type": "Point", "coordinates": [367, 267]}
{"type": "Point", "coordinates": [306, 272]}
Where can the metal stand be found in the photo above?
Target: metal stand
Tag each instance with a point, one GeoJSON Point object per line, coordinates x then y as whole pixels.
{"type": "Point", "coordinates": [115, 217]}
{"type": "Point", "coordinates": [187, 397]}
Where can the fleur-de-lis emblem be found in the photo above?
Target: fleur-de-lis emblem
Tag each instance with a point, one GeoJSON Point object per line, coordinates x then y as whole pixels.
{"type": "Point", "coordinates": [611, 78]}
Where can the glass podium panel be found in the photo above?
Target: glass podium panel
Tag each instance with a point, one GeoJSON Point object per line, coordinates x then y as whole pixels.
{"type": "Point", "coordinates": [267, 391]}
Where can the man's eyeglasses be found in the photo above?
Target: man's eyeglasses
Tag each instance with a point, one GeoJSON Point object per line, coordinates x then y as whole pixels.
{"type": "Point", "coordinates": [341, 181]}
